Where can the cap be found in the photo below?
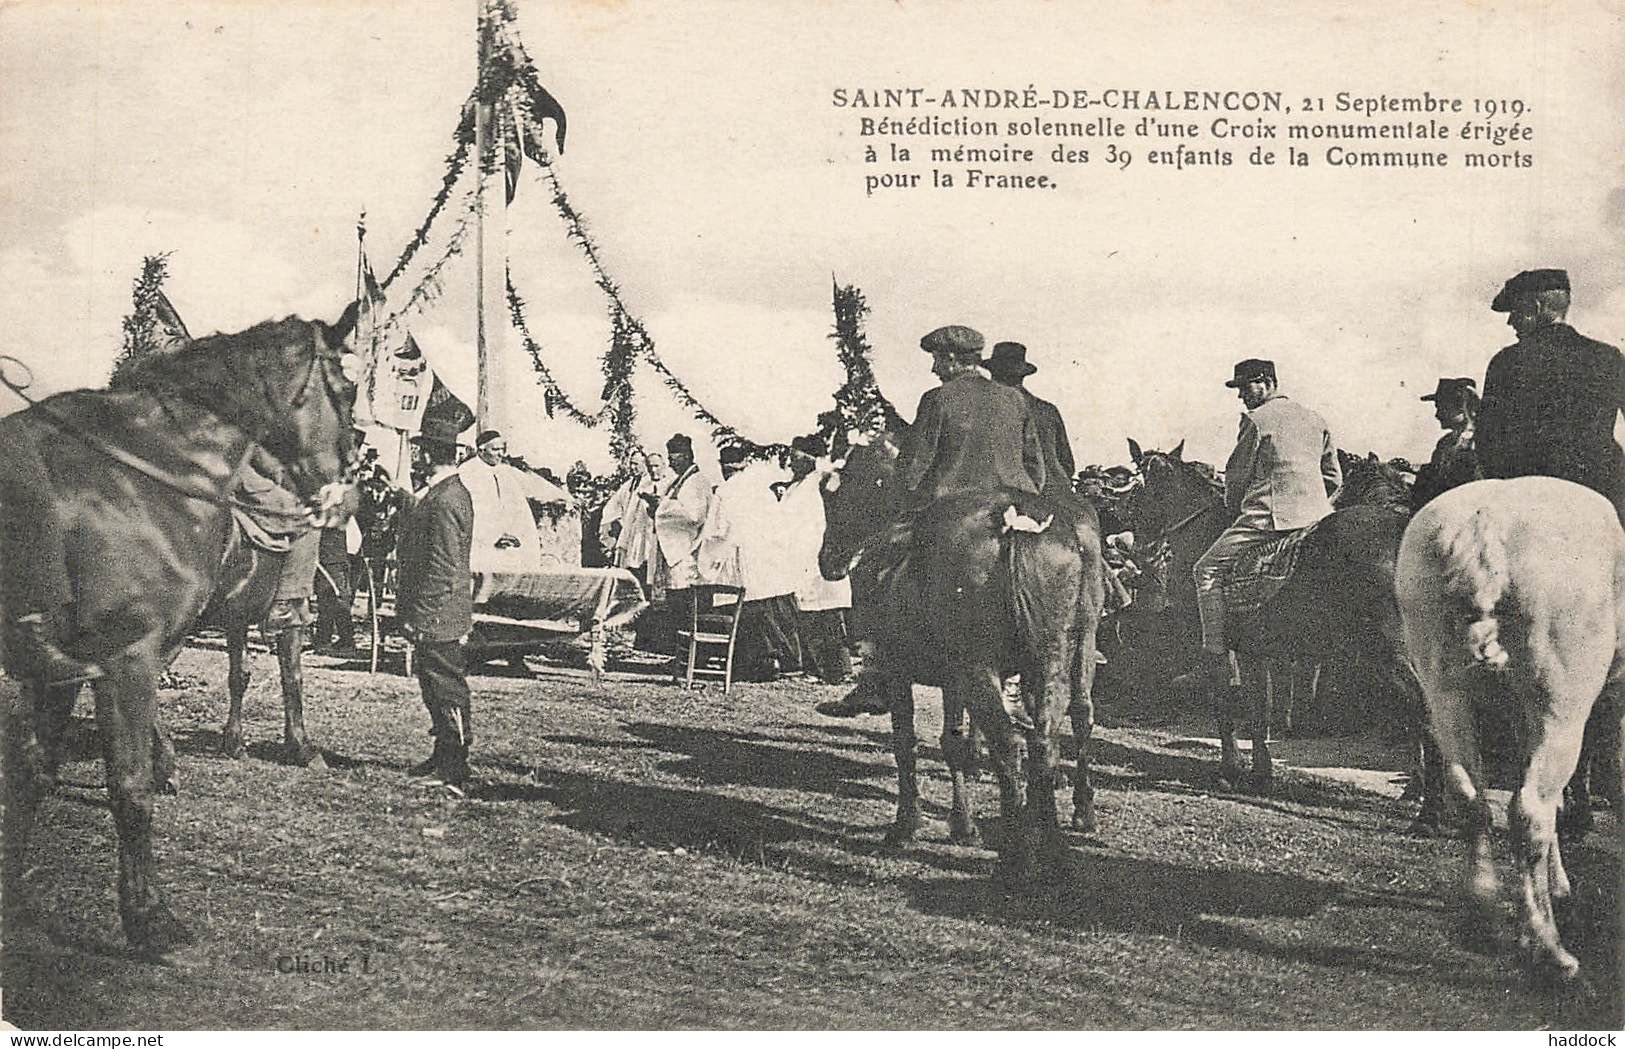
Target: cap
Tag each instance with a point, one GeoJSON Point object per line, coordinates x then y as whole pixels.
{"type": "Point", "coordinates": [954, 338]}
{"type": "Point", "coordinates": [1529, 282]}
{"type": "Point", "coordinates": [1251, 369]}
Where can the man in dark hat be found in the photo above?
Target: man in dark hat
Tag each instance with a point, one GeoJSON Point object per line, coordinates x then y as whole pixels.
{"type": "Point", "coordinates": [680, 510]}
{"type": "Point", "coordinates": [1009, 366]}
{"type": "Point", "coordinates": [434, 602]}
{"type": "Point", "coordinates": [1551, 399]}
{"type": "Point", "coordinates": [1280, 478]}
{"type": "Point", "coordinates": [1455, 457]}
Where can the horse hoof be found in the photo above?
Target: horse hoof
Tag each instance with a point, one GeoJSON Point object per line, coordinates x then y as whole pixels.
{"type": "Point", "coordinates": [156, 931]}
{"type": "Point", "coordinates": [309, 758]}
{"type": "Point", "coordinates": [170, 785]}
{"type": "Point", "coordinates": [1229, 777]}
{"type": "Point", "coordinates": [1555, 967]}
{"type": "Point", "coordinates": [1261, 784]}
{"type": "Point", "coordinates": [234, 748]}
{"type": "Point", "coordinates": [899, 836]}
{"type": "Point", "coordinates": [1084, 822]}
{"type": "Point", "coordinates": [1425, 826]}
{"type": "Point", "coordinates": [964, 835]}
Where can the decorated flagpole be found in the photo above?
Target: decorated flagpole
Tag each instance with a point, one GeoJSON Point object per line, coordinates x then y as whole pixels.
{"type": "Point", "coordinates": [490, 234]}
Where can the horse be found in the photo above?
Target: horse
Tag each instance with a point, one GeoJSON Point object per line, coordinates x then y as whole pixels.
{"type": "Point", "coordinates": [139, 477]}
{"type": "Point", "coordinates": [993, 584]}
{"type": "Point", "coordinates": [1339, 604]}
{"type": "Point", "coordinates": [1514, 591]}
{"type": "Point", "coordinates": [244, 597]}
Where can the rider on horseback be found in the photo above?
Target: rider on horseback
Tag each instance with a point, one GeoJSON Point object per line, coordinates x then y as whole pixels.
{"type": "Point", "coordinates": [970, 434]}
{"type": "Point", "coordinates": [1455, 459]}
{"type": "Point", "coordinates": [1280, 478]}
{"type": "Point", "coordinates": [37, 589]}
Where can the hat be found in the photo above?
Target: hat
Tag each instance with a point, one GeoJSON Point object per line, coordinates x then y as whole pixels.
{"type": "Point", "coordinates": [808, 444]}
{"type": "Point", "coordinates": [680, 441]}
{"type": "Point", "coordinates": [1529, 282]}
{"type": "Point", "coordinates": [1007, 358]}
{"type": "Point", "coordinates": [955, 338]}
{"type": "Point", "coordinates": [730, 454]}
{"type": "Point", "coordinates": [437, 431]}
{"type": "Point", "coordinates": [486, 437]}
{"type": "Point", "coordinates": [1250, 369]}
{"type": "Point", "coordinates": [1452, 390]}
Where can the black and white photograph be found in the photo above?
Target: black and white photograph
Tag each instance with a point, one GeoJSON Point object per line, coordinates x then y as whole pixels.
{"type": "Point", "coordinates": [862, 515]}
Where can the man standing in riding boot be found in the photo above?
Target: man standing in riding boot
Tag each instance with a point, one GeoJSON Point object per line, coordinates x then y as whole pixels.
{"type": "Point", "coordinates": [1551, 399]}
{"type": "Point", "coordinates": [435, 604]}
{"type": "Point", "coordinates": [1455, 457]}
{"type": "Point", "coordinates": [34, 570]}
{"type": "Point", "coordinates": [1281, 478]}
{"type": "Point", "coordinates": [970, 434]}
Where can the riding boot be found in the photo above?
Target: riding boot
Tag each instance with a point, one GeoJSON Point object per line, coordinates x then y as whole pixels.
{"type": "Point", "coordinates": [869, 695]}
{"type": "Point", "coordinates": [35, 654]}
{"type": "Point", "coordinates": [433, 764]}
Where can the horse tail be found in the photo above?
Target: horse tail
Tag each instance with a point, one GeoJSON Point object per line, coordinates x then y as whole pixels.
{"type": "Point", "coordinates": [1474, 570]}
{"type": "Point", "coordinates": [1035, 602]}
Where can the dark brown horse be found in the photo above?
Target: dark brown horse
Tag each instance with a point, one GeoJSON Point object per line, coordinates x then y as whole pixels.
{"type": "Point", "coordinates": [1339, 604]}
{"type": "Point", "coordinates": [139, 478]}
{"type": "Point", "coordinates": [968, 602]}
{"type": "Point", "coordinates": [244, 598]}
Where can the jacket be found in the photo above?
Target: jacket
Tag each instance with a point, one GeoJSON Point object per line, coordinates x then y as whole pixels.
{"type": "Point", "coordinates": [1284, 471]}
{"type": "Point", "coordinates": [434, 593]}
{"type": "Point", "coordinates": [971, 434]}
{"type": "Point", "coordinates": [1059, 466]}
{"type": "Point", "coordinates": [1550, 402]}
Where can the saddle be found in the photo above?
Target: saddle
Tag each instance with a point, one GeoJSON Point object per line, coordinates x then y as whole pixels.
{"type": "Point", "coordinates": [1260, 574]}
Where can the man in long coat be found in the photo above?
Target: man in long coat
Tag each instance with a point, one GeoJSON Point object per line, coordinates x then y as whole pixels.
{"type": "Point", "coordinates": [1551, 399]}
{"type": "Point", "coordinates": [1009, 366]}
{"type": "Point", "coordinates": [1281, 477]}
{"type": "Point", "coordinates": [434, 603]}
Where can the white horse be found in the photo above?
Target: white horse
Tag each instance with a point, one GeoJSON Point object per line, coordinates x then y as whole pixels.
{"type": "Point", "coordinates": [1514, 591]}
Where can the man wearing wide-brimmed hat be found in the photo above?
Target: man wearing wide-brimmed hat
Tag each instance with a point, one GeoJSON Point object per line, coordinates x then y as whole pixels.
{"type": "Point", "coordinates": [1009, 366]}
{"type": "Point", "coordinates": [1551, 399]}
{"type": "Point", "coordinates": [1281, 478]}
{"type": "Point", "coordinates": [434, 602]}
{"type": "Point", "coordinates": [1455, 457]}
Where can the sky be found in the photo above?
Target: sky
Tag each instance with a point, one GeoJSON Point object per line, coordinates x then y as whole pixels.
{"type": "Point", "coordinates": [725, 192]}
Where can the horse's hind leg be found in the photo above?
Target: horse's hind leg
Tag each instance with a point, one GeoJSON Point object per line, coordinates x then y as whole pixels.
{"type": "Point", "coordinates": [907, 821]}
{"type": "Point", "coordinates": [1224, 698]}
{"type": "Point", "coordinates": [232, 743]}
{"type": "Point", "coordinates": [54, 712]}
{"type": "Point", "coordinates": [299, 749]}
{"type": "Point", "coordinates": [1081, 708]}
{"type": "Point", "coordinates": [125, 701]}
{"type": "Point", "coordinates": [959, 753]}
{"type": "Point", "coordinates": [1259, 683]}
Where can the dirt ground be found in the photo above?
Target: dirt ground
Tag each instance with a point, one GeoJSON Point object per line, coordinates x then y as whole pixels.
{"type": "Point", "coordinates": [632, 855]}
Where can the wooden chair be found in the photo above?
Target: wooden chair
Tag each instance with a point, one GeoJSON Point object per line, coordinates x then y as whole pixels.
{"type": "Point", "coordinates": [711, 631]}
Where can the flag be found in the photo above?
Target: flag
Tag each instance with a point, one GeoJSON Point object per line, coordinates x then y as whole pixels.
{"type": "Point", "coordinates": [168, 330]}
{"type": "Point", "coordinates": [364, 331]}
{"type": "Point", "coordinates": [401, 387]}
{"type": "Point", "coordinates": [443, 404]}
{"type": "Point", "coordinates": [513, 152]}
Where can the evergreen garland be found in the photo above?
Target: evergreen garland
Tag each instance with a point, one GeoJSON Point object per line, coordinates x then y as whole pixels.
{"type": "Point", "coordinates": [141, 323]}
{"type": "Point", "coordinates": [859, 404]}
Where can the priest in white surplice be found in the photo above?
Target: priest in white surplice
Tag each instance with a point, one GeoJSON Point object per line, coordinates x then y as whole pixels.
{"type": "Point", "coordinates": [742, 545]}
{"type": "Point", "coordinates": [626, 531]}
{"type": "Point", "coordinates": [680, 509]}
{"type": "Point", "coordinates": [820, 603]}
{"type": "Point", "coordinates": [504, 528]}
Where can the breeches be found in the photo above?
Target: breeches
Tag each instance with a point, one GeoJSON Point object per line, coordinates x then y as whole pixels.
{"type": "Point", "coordinates": [444, 680]}
{"type": "Point", "coordinates": [1210, 571]}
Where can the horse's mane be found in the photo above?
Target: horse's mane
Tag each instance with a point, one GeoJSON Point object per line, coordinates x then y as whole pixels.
{"type": "Point", "coordinates": [185, 364]}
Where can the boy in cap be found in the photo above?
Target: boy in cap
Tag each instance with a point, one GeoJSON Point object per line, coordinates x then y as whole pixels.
{"type": "Point", "coordinates": [434, 602]}
{"type": "Point", "coordinates": [1551, 399]}
{"type": "Point", "coordinates": [1455, 459]}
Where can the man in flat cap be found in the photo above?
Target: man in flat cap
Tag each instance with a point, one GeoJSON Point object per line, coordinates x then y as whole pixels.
{"type": "Point", "coordinates": [1281, 478]}
{"type": "Point", "coordinates": [1455, 457]}
{"type": "Point", "coordinates": [970, 434]}
{"type": "Point", "coordinates": [1551, 398]}
{"type": "Point", "coordinates": [434, 602]}
{"type": "Point", "coordinates": [1009, 366]}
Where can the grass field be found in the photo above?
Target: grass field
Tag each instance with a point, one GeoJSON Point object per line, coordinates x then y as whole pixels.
{"type": "Point", "coordinates": [634, 856]}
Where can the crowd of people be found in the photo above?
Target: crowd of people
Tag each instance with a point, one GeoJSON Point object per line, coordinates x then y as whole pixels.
{"type": "Point", "coordinates": [1548, 406]}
